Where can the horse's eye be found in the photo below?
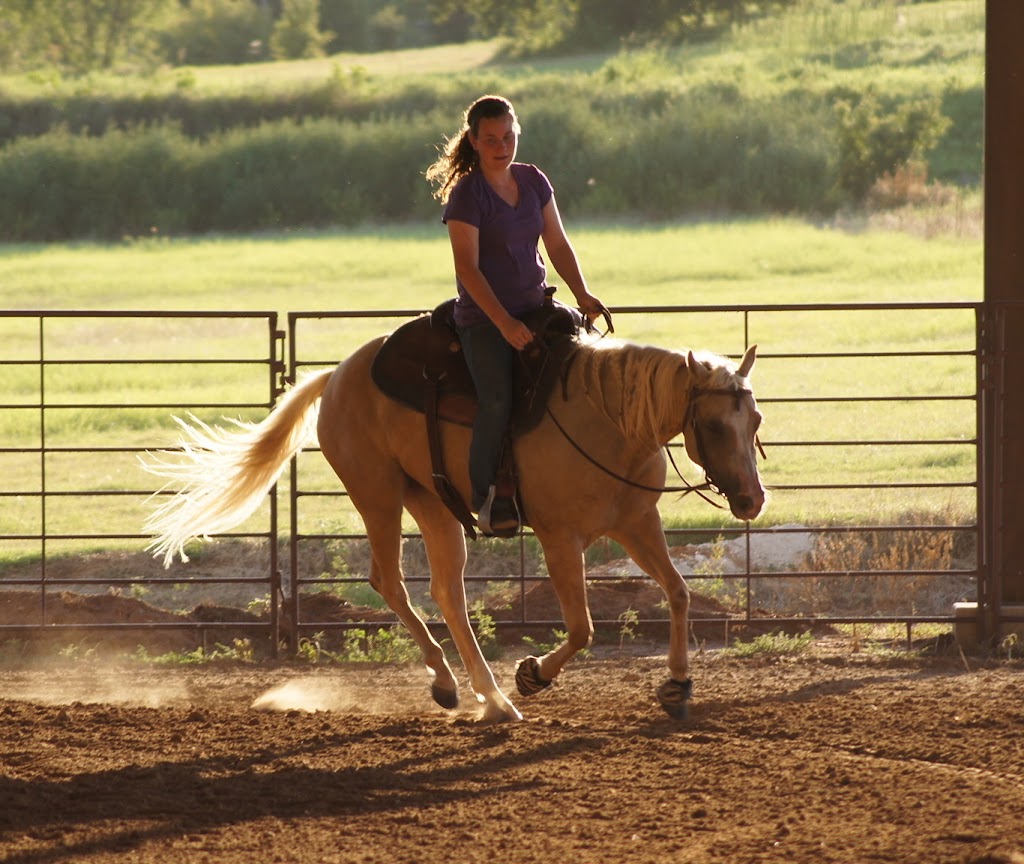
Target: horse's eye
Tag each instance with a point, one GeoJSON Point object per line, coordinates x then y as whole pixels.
{"type": "Point", "coordinates": [716, 428]}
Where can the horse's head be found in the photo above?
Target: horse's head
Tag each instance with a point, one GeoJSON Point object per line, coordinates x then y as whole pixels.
{"type": "Point", "coordinates": [720, 431]}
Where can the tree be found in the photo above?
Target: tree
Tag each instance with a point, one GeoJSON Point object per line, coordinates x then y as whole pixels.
{"type": "Point", "coordinates": [219, 31]}
{"type": "Point", "coordinates": [296, 33]}
{"type": "Point", "coordinates": [88, 34]}
{"type": "Point", "coordinates": [877, 137]}
{"type": "Point", "coordinates": [540, 24]}
{"type": "Point", "coordinates": [530, 25]}
{"type": "Point", "coordinates": [349, 21]}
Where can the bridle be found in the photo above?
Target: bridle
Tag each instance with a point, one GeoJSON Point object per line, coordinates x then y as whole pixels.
{"type": "Point", "coordinates": [709, 484]}
{"type": "Point", "coordinates": [690, 420]}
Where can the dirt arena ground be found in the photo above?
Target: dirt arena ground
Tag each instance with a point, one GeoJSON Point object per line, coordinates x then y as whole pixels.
{"type": "Point", "coordinates": [833, 756]}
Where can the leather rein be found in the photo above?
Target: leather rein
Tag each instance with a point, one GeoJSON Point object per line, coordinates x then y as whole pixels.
{"type": "Point", "coordinates": [709, 483]}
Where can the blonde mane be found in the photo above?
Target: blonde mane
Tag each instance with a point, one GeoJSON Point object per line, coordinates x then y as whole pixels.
{"type": "Point", "coordinates": [634, 386]}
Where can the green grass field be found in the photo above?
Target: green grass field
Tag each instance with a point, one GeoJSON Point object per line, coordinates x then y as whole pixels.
{"type": "Point", "coordinates": [816, 43]}
{"type": "Point", "coordinates": [711, 263]}
{"type": "Point", "coordinates": [770, 263]}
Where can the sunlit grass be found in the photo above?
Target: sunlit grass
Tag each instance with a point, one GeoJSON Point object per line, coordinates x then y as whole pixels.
{"type": "Point", "coordinates": [437, 60]}
{"type": "Point", "coordinates": [756, 262]}
{"type": "Point", "coordinates": [432, 60]}
{"type": "Point", "coordinates": [814, 43]}
{"type": "Point", "coordinates": [819, 44]}
{"type": "Point", "coordinates": [747, 263]}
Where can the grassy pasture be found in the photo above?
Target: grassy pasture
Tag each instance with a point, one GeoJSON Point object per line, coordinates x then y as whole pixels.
{"type": "Point", "coordinates": [816, 44]}
{"type": "Point", "coordinates": [751, 123]}
{"type": "Point", "coordinates": [708, 264]}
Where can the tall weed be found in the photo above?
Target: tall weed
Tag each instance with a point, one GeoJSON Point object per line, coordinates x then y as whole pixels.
{"type": "Point", "coordinates": [900, 571]}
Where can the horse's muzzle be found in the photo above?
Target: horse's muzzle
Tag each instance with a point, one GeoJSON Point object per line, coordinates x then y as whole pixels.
{"type": "Point", "coordinates": [746, 507]}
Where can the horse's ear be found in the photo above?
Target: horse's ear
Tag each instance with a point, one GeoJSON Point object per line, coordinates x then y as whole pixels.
{"type": "Point", "coordinates": [747, 363]}
{"type": "Point", "coordinates": [698, 370]}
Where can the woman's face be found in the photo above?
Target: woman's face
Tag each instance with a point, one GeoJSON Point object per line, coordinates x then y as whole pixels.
{"type": "Point", "coordinates": [495, 142]}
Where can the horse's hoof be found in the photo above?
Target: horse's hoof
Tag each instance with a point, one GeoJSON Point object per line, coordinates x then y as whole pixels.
{"type": "Point", "coordinates": [445, 698]}
{"type": "Point", "coordinates": [528, 680]}
{"type": "Point", "coordinates": [674, 697]}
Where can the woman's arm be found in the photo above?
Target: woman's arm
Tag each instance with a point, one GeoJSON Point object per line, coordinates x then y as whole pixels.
{"type": "Point", "coordinates": [563, 259]}
{"type": "Point", "coordinates": [465, 240]}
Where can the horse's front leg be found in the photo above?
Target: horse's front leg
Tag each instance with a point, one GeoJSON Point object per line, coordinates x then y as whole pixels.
{"type": "Point", "coordinates": [643, 538]}
{"type": "Point", "coordinates": [564, 557]}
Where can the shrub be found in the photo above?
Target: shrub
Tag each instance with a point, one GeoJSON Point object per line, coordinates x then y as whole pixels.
{"type": "Point", "coordinates": [711, 150]}
{"type": "Point", "coordinates": [60, 185]}
{"type": "Point", "coordinates": [770, 645]}
{"type": "Point", "coordinates": [339, 153]}
{"type": "Point", "coordinates": [218, 31]}
{"type": "Point", "coordinates": [907, 185]}
{"type": "Point", "coordinates": [875, 137]}
{"type": "Point", "coordinates": [296, 33]}
{"type": "Point", "coordinates": [387, 645]}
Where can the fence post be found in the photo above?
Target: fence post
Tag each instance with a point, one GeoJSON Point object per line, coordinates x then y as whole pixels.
{"type": "Point", "coordinates": [1004, 301]}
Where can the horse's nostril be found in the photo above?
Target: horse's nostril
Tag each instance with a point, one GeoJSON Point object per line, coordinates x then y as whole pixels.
{"type": "Point", "coordinates": [744, 507]}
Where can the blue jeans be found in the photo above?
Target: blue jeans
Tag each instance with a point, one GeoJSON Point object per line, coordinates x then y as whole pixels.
{"type": "Point", "coordinates": [491, 362]}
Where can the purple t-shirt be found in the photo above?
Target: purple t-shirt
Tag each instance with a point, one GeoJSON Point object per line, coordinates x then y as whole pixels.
{"type": "Point", "coordinates": [509, 254]}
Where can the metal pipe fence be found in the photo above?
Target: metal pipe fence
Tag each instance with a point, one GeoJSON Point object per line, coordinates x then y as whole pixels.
{"type": "Point", "coordinates": [885, 530]}
{"type": "Point", "coordinates": [80, 394]}
{"type": "Point", "coordinates": [903, 425]}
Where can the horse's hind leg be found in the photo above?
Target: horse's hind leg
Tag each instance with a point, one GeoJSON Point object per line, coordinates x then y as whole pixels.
{"type": "Point", "coordinates": [446, 552]}
{"type": "Point", "coordinates": [384, 530]}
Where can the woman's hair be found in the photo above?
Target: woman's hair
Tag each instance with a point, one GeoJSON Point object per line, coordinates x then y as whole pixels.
{"type": "Point", "coordinates": [458, 157]}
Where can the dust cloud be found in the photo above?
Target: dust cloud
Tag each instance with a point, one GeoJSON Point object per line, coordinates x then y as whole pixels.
{"type": "Point", "coordinates": [94, 687]}
{"type": "Point", "coordinates": [299, 694]}
{"type": "Point", "coordinates": [310, 695]}
{"type": "Point", "coordinates": [396, 691]}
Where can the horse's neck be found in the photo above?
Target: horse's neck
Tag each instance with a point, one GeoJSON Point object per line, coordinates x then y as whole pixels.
{"type": "Point", "coordinates": [641, 389]}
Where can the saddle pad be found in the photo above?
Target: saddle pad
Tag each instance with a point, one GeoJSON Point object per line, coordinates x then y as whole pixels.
{"type": "Point", "coordinates": [421, 350]}
{"type": "Point", "coordinates": [427, 349]}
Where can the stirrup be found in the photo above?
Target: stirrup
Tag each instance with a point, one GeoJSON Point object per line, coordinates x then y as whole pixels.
{"type": "Point", "coordinates": [503, 524]}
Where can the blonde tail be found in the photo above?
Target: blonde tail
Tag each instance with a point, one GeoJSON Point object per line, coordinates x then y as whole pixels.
{"type": "Point", "coordinates": [222, 475]}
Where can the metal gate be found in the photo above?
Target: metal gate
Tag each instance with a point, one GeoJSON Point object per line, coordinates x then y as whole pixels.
{"type": "Point", "coordinates": [82, 390]}
{"type": "Point", "coordinates": [914, 409]}
{"type": "Point", "coordinates": [78, 391]}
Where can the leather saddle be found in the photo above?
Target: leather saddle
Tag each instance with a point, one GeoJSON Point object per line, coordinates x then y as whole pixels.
{"type": "Point", "coordinates": [421, 365]}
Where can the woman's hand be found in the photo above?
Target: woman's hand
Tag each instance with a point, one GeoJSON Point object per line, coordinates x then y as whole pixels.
{"type": "Point", "coordinates": [592, 308]}
{"type": "Point", "coordinates": [516, 333]}
{"type": "Point", "coordinates": [589, 305]}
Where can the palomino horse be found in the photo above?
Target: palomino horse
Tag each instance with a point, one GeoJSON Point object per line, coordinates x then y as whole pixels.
{"type": "Point", "coordinates": [594, 466]}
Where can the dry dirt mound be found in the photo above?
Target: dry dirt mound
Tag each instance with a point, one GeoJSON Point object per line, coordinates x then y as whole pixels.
{"type": "Point", "coordinates": [610, 599]}
{"type": "Point", "coordinates": [98, 616]}
{"type": "Point", "coordinates": [92, 613]}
